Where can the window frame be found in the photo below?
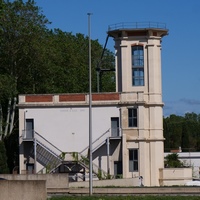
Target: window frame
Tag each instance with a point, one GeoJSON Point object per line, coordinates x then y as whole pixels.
{"type": "Point", "coordinates": [137, 55]}
{"type": "Point", "coordinates": [132, 117]}
{"type": "Point", "coordinates": [133, 160]}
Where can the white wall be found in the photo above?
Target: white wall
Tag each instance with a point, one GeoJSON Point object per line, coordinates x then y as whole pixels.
{"type": "Point", "coordinates": [68, 128]}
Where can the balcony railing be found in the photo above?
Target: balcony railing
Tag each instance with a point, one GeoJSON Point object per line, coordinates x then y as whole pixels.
{"type": "Point", "coordinates": [136, 25]}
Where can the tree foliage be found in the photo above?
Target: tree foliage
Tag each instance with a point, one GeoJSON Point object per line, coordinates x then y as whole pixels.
{"type": "Point", "coordinates": [182, 131]}
{"type": "Point", "coordinates": [35, 59]}
{"type": "Point", "coordinates": [38, 60]}
{"type": "Point", "coordinates": [3, 159]}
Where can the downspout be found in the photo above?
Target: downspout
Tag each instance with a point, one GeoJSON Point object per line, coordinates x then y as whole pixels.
{"type": "Point", "coordinates": [35, 155]}
{"type": "Point", "coordinates": [108, 154]}
{"type": "Point", "coordinates": [120, 122]}
{"type": "Point", "coordinates": [25, 134]}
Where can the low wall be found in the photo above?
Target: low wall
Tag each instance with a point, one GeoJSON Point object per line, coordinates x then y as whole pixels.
{"type": "Point", "coordinates": [130, 182]}
{"type": "Point", "coordinates": [23, 190]}
{"type": "Point", "coordinates": [52, 180]}
{"type": "Point", "coordinates": [175, 176]}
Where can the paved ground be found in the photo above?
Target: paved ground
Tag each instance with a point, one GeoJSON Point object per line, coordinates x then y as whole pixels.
{"type": "Point", "coordinates": [129, 191]}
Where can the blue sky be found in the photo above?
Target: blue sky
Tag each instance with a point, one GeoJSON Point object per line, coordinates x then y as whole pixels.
{"type": "Point", "coordinates": [180, 49]}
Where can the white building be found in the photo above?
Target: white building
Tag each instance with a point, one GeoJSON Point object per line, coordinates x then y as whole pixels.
{"type": "Point", "coordinates": [127, 127]}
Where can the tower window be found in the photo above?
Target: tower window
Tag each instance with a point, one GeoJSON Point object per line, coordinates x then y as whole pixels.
{"type": "Point", "coordinates": [137, 65]}
{"type": "Point", "coordinates": [133, 160]}
{"type": "Point", "coordinates": [132, 117]}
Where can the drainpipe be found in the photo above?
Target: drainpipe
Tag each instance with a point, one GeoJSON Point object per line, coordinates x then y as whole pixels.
{"type": "Point", "coordinates": [108, 154]}
{"type": "Point", "coordinates": [35, 155]}
{"type": "Point", "coordinates": [120, 122]}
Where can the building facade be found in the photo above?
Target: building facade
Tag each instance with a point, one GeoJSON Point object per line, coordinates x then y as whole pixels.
{"type": "Point", "coordinates": [127, 126]}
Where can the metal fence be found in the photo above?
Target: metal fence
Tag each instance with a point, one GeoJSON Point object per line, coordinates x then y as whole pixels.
{"type": "Point", "coordinates": [136, 25]}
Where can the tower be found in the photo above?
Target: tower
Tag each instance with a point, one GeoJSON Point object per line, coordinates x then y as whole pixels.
{"type": "Point", "coordinates": [138, 79]}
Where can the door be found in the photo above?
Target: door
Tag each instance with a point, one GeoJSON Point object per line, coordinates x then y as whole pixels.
{"type": "Point", "coordinates": [118, 169]}
{"type": "Point", "coordinates": [30, 168]}
{"type": "Point", "coordinates": [29, 128]}
{"type": "Point", "coordinates": [114, 126]}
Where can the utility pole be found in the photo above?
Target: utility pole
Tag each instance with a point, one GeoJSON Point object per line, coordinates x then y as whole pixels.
{"type": "Point", "coordinates": [90, 110]}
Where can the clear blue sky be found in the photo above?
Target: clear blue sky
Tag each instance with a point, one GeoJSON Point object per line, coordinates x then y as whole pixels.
{"type": "Point", "coordinates": [180, 49]}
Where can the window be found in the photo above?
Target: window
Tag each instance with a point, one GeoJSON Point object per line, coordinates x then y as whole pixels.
{"type": "Point", "coordinates": [132, 117]}
{"type": "Point", "coordinates": [133, 160]}
{"type": "Point", "coordinates": [137, 65]}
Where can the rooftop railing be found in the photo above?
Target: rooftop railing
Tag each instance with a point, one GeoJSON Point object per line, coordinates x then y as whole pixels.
{"type": "Point", "coordinates": [136, 25]}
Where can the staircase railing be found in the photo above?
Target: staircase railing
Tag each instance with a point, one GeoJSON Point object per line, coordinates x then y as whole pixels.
{"type": "Point", "coordinates": [100, 140]}
{"type": "Point", "coordinates": [80, 157]}
{"type": "Point", "coordinates": [83, 158]}
{"type": "Point", "coordinates": [51, 147]}
{"type": "Point", "coordinates": [54, 156]}
{"type": "Point", "coordinates": [47, 157]}
{"type": "Point", "coordinates": [95, 168]}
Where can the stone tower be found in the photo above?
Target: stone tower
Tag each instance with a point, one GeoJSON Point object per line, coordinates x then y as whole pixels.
{"type": "Point", "coordinates": [138, 78]}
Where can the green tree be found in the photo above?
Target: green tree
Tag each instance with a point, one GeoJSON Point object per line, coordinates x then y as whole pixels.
{"type": "Point", "coordinates": [173, 131]}
{"type": "Point", "coordinates": [185, 144]}
{"type": "Point", "coordinates": [36, 60]}
{"type": "Point", "coordinates": [183, 131]}
{"type": "Point", "coordinates": [23, 32]}
{"type": "Point", "coordinates": [3, 159]}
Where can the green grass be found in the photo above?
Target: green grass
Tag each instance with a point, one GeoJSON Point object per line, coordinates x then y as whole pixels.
{"type": "Point", "coordinates": [127, 198]}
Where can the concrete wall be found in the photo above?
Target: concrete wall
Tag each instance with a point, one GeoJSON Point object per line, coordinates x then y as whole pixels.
{"type": "Point", "coordinates": [175, 176]}
{"type": "Point", "coordinates": [129, 182]}
{"type": "Point", "coordinates": [66, 127]}
{"type": "Point", "coordinates": [23, 190]}
{"type": "Point", "coordinates": [52, 180]}
{"type": "Point", "coordinates": [190, 159]}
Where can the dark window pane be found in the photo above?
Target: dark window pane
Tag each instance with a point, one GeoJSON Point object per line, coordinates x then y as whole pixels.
{"type": "Point", "coordinates": [135, 166]}
{"type": "Point", "coordinates": [135, 155]}
{"type": "Point", "coordinates": [133, 160]}
{"type": "Point", "coordinates": [132, 117]}
{"type": "Point", "coordinates": [130, 154]}
{"type": "Point", "coordinates": [138, 66]}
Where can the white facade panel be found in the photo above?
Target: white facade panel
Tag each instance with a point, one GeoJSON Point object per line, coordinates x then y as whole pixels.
{"type": "Point", "coordinates": [68, 128]}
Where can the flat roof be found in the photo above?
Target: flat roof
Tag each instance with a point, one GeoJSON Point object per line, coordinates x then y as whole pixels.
{"type": "Point", "coordinates": [136, 25]}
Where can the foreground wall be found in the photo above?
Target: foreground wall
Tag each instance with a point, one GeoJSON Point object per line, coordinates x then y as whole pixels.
{"type": "Point", "coordinates": [190, 159]}
{"type": "Point", "coordinates": [23, 190]}
{"type": "Point", "coordinates": [175, 176]}
{"type": "Point", "coordinates": [129, 182]}
{"type": "Point", "coordinates": [52, 180]}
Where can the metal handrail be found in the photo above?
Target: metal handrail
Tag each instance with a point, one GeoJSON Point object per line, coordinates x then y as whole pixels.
{"type": "Point", "coordinates": [95, 141]}
{"type": "Point", "coordinates": [48, 146]}
{"type": "Point", "coordinates": [47, 141]}
{"type": "Point", "coordinates": [136, 25]}
{"type": "Point", "coordinates": [85, 162]}
{"type": "Point", "coordinates": [49, 150]}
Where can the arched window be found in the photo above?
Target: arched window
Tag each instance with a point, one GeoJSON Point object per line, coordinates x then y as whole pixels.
{"type": "Point", "coordinates": [137, 65]}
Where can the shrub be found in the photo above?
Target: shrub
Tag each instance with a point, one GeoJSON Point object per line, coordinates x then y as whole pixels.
{"type": "Point", "coordinates": [172, 160]}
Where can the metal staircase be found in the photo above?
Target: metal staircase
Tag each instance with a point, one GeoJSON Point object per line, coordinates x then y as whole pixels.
{"type": "Point", "coordinates": [43, 151]}
{"type": "Point", "coordinates": [54, 160]}
{"type": "Point", "coordinates": [98, 143]}
{"type": "Point", "coordinates": [47, 157]}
